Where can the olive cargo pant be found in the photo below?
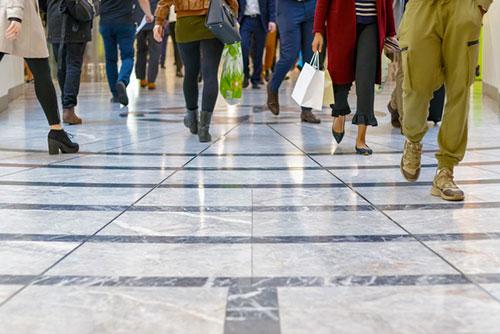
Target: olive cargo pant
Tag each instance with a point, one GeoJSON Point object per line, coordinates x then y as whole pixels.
{"type": "Point", "coordinates": [440, 44]}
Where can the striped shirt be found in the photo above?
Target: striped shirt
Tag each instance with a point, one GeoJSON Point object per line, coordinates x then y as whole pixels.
{"type": "Point", "coordinates": [366, 11]}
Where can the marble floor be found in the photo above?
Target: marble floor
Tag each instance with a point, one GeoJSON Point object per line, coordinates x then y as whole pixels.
{"type": "Point", "coordinates": [271, 228]}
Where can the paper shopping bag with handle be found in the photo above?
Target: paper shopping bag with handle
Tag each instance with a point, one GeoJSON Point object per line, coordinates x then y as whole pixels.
{"type": "Point", "coordinates": [310, 86]}
{"type": "Point", "coordinates": [328, 97]}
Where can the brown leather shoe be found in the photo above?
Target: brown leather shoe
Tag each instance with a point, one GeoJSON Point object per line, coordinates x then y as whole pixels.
{"type": "Point", "coordinates": [70, 117]}
{"type": "Point", "coordinates": [394, 116]}
{"type": "Point", "coordinates": [308, 117]}
{"type": "Point", "coordinates": [445, 187]}
{"type": "Point", "coordinates": [273, 102]}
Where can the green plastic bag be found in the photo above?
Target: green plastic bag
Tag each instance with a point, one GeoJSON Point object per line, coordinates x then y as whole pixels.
{"type": "Point", "coordinates": [231, 81]}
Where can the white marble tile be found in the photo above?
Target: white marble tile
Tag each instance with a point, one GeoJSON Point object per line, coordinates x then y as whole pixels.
{"type": "Point", "coordinates": [425, 309]}
{"type": "Point", "coordinates": [122, 259]}
{"type": "Point", "coordinates": [56, 309]}
{"type": "Point", "coordinates": [339, 259]}
{"type": "Point", "coordinates": [197, 197]}
{"type": "Point", "coordinates": [7, 290]}
{"type": "Point", "coordinates": [306, 196]}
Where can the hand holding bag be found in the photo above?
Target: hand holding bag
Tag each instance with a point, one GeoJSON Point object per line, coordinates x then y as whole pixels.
{"type": "Point", "coordinates": [310, 86]}
{"type": "Point", "coordinates": [222, 22]}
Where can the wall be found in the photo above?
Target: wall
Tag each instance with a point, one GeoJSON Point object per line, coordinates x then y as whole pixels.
{"type": "Point", "coordinates": [491, 52]}
{"type": "Point", "coordinates": [11, 80]}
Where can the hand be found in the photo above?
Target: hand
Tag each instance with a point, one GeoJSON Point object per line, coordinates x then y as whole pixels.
{"type": "Point", "coordinates": [158, 33]}
{"type": "Point", "coordinates": [13, 31]}
{"type": "Point", "coordinates": [150, 18]}
{"type": "Point", "coordinates": [271, 27]}
{"type": "Point", "coordinates": [317, 45]}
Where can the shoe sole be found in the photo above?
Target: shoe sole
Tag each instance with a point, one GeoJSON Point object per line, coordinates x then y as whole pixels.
{"type": "Point", "coordinates": [435, 191]}
{"type": "Point", "coordinates": [311, 122]}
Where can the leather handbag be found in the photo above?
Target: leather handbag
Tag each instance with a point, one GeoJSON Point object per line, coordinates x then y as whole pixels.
{"type": "Point", "coordinates": [222, 22]}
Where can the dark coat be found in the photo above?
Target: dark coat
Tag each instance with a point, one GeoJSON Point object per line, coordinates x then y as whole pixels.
{"type": "Point", "coordinates": [336, 20]}
{"type": "Point", "coordinates": [76, 32]}
{"type": "Point", "coordinates": [267, 11]}
{"type": "Point", "coordinates": [139, 14]}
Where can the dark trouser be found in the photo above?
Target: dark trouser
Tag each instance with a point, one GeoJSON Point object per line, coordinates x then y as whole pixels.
{"type": "Point", "coordinates": [118, 36]}
{"type": "Point", "coordinates": [69, 71]}
{"type": "Point", "coordinates": [164, 43]}
{"type": "Point", "coordinates": [204, 55]}
{"type": "Point", "coordinates": [253, 35]}
{"type": "Point", "coordinates": [146, 45]}
{"type": "Point", "coordinates": [44, 88]}
{"type": "Point", "coordinates": [295, 23]}
{"type": "Point", "coordinates": [367, 58]}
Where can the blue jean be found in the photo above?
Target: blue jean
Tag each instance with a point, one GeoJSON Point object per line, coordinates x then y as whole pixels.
{"type": "Point", "coordinates": [252, 30]}
{"type": "Point", "coordinates": [120, 36]}
{"type": "Point", "coordinates": [295, 23]}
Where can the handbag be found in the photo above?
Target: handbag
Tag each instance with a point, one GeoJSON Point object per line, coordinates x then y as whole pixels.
{"type": "Point", "coordinates": [222, 22]}
{"type": "Point", "coordinates": [310, 87]}
{"type": "Point", "coordinates": [80, 10]}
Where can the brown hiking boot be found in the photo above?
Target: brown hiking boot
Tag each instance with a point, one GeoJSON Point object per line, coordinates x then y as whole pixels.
{"type": "Point", "coordinates": [70, 117]}
{"type": "Point", "coordinates": [394, 116]}
{"type": "Point", "coordinates": [445, 187]}
{"type": "Point", "coordinates": [273, 102]}
{"type": "Point", "coordinates": [308, 117]}
{"type": "Point", "coordinates": [411, 161]}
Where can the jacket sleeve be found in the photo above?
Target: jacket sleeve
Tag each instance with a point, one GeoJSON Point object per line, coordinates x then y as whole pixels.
{"type": "Point", "coordinates": [391, 27]}
{"type": "Point", "coordinates": [15, 9]}
{"type": "Point", "coordinates": [272, 10]}
{"type": "Point", "coordinates": [320, 16]}
{"type": "Point", "coordinates": [162, 11]}
{"type": "Point", "coordinates": [485, 3]}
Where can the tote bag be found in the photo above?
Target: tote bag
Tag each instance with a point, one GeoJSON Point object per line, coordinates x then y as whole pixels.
{"type": "Point", "coordinates": [328, 97]}
{"type": "Point", "coordinates": [310, 86]}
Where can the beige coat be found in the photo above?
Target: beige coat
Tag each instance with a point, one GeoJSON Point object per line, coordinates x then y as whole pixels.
{"type": "Point", "coordinates": [31, 42]}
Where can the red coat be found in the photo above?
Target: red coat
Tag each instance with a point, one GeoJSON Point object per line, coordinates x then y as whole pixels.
{"type": "Point", "coordinates": [338, 19]}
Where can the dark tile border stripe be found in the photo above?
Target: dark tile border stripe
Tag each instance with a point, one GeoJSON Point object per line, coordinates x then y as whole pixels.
{"type": "Point", "coordinates": [251, 282]}
{"type": "Point", "coordinates": [292, 239]}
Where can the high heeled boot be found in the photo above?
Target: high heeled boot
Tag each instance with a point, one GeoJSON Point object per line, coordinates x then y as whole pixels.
{"type": "Point", "coordinates": [59, 140]}
{"type": "Point", "coordinates": [191, 121]}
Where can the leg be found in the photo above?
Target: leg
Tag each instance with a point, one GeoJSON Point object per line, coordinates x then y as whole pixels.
{"type": "Point", "coordinates": [61, 67]}
{"type": "Point", "coordinates": [306, 28]}
{"type": "Point", "coordinates": [396, 104]}
{"type": "Point", "coordinates": [125, 37]}
{"type": "Point", "coordinates": [246, 41]}
{"type": "Point", "coordinates": [164, 44]}
{"type": "Point", "coordinates": [460, 54]}
{"type": "Point", "coordinates": [260, 40]}
{"type": "Point", "coordinates": [111, 55]}
{"type": "Point", "coordinates": [190, 53]}
{"type": "Point", "coordinates": [142, 56]}
{"type": "Point", "coordinates": [154, 56]}
{"type": "Point", "coordinates": [74, 61]}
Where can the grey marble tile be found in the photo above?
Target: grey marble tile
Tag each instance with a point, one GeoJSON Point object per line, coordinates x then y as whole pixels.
{"type": "Point", "coordinates": [346, 259]}
{"type": "Point", "coordinates": [21, 257]}
{"type": "Point", "coordinates": [181, 224]}
{"type": "Point", "coordinates": [482, 220]}
{"type": "Point", "coordinates": [128, 161]}
{"type": "Point", "coordinates": [198, 197]}
{"type": "Point", "coordinates": [293, 161]}
{"type": "Point", "coordinates": [157, 260]}
{"type": "Point", "coordinates": [118, 310]}
{"type": "Point", "coordinates": [297, 197]}
{"type": "Point", "coordinates": [322, 223]}
{"type": "Point", "coordinates": [53, 222]}
{"type": "Point", "coordinates": [494, 289]}
{"type": "Point", "coordinates": [441, 309]}
{"type": "Point", "coordinates": [471, 256]}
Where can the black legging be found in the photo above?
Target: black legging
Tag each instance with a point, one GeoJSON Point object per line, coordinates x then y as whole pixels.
{"type": "Point", "coordinates": [44, 87]}
{"type": "Point", "coordinates": [205, 54]}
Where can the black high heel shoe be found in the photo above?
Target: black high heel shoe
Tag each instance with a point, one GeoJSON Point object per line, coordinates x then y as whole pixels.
{"type": "Point", "coordinates": [59, 140]}
{"type": "Point", "coordinates": [338, 135]}
{"type": "Point", "coordinates": [364, 151]}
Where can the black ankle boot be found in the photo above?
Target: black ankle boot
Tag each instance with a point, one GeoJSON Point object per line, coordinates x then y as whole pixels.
{"type": "Point", "coordinates": [59, 141]}
{"type": "Point", "coordinates": [191, 121]}
{"type": "Point", "coordinates": [204, 127]}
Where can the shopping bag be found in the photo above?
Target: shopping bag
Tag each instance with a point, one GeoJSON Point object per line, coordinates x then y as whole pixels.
{"type": "Point", "coordinates": [231, 81]}
{"type": "Point", "coordinates": [328, 97]}
{"type": "Point", "coordinates": [310, 86]}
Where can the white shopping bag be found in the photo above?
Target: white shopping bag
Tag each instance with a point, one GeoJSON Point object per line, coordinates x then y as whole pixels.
{"type": "Point", "coordinates": [310, 86]}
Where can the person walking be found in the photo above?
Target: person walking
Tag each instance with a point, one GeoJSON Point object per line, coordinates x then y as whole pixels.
{"type": "Point", "coordinates": [148, 51]}
{"type": "Point", "coordinates": [199, 50]}
{"type": "Point", "coordinates": [22, 35]}
{"type": "Point", "coordinates": [440, 44]}
{"type": "Point", "coordinates": [117, 29]}
{"type": "Point", "coordinates": [257, 18]}
{"type": "Point", "coordinates": [68, 52]}
{"type": "Point", "coordinates": [172, 20]}
{"type": "Point", "coordinates": [356, 31]}
{"type": "Point", "coordinates": [295, 20]}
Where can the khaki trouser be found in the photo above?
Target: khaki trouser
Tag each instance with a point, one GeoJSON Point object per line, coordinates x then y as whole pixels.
{"type": "Point", "coordinates": [440, 44]}
{"type": "Point", "coordinates": [397, 93]}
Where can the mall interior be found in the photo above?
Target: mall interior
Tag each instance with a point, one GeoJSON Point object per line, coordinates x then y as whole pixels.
{"type": "Point", "coordinates": [271, 227]}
